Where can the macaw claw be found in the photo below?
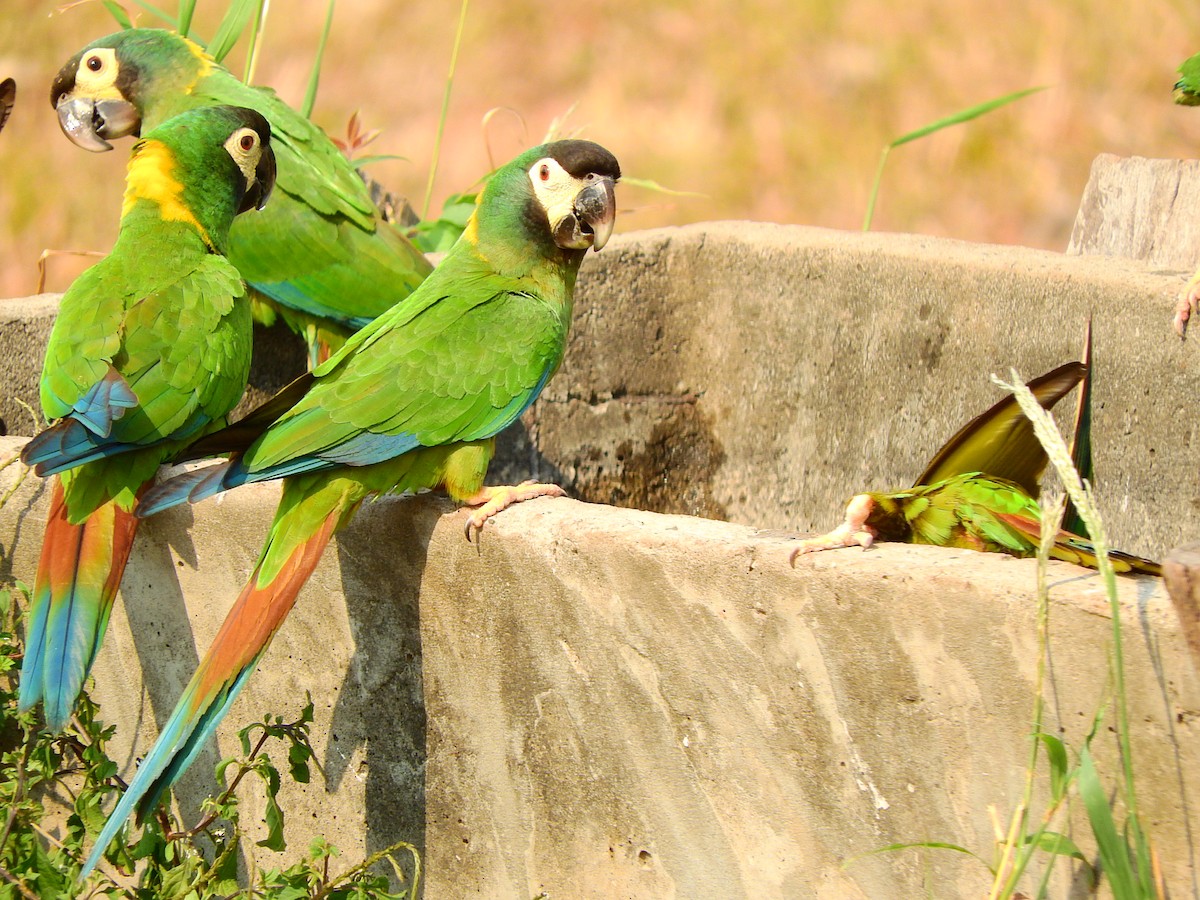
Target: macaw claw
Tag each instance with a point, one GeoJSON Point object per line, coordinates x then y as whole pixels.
{"type": "Point", "coordinates": [492, 500]}
{"type": "Point", "coordinates": [854, 532]}
{"type": "Point", "coordinates": [1189, 303]}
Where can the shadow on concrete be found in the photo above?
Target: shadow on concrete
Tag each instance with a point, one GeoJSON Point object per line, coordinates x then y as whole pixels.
{"type": "Point", "coordinates": [518, 457]}
{"type": "Point", "coordinates": [25, 503]}
{"type": "Point", "coordinates": [163, 638]}
{"type": "Point", "coordinates": [381, 706]}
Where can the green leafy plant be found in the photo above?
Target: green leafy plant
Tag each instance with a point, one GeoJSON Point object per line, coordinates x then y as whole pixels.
{"type": "Point", "coordinates": [54, 789]}
{"type": "Point", "coordinates": [964, 115]}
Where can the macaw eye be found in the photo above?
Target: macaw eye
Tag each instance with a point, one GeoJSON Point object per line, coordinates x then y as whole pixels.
{"type": "Point", "coordinates": [95, 63]}
{"type": "Point", "coordinates": [544, 172]}
{"type": "Point", "coordinates": [248, 141]}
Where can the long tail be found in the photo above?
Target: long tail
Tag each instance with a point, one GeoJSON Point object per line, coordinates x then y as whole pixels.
{"type": "Point", "coordinates": [1072, 548]}
{"type": "Point", "coordinates": [77, 579]}
{"type": "Point", "coordinates": [1079, 550]}
{"type": "Point", "coordinates": [293, 549]}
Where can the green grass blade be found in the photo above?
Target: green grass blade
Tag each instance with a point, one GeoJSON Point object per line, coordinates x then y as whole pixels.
{"type": "Point", "coordinates": [437, 142]}
{"type": "Point", "coordinates": [918, 845]}
{"type": "Point", "coordinates": [1056, 844]}
{"type": "Point", "coordinates": [1056, 754]}
{"type": "Point", "coordinates": [875, 188]}
{"type": "Point", "coordinates": [658, 188]}
{"type": "Point", "coordinates": [314, 78]}
{"type": "Point", "coordinates": [361, 162]}
{"type": "Point", "coordinates": [964, 115]}
{"type": "Point", "coordinates": [232, 26]}
{"type": "Point", "coordinates": [1114, 853]}
{"type": "Point", "coordinates": [118, 12]}
{"type": "Point", "coordinates": [187, 9]}
{"type": "Point", "coordinates": [257, 28]}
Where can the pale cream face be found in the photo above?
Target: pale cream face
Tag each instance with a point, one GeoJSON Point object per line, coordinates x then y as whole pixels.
{"type": "Point", "coordinates": [97, 75]}
{"type": "Point", "coordinates": [245, 146]}
{"type": "Point", "coordinates": [556, 189]}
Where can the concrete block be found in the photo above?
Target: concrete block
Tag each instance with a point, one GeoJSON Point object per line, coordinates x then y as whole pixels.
{"type": "Point", "coordinates": [1142, 209]}
{"type": "Point", "coordinates": [765, 373]}
{"type": "Point", "coordinates": [600, 702]}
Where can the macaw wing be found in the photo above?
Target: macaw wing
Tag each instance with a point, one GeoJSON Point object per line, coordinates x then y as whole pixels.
{"type": "Point", "coordinates": [83, 345]}
{"type": "Point", "coordinates": [461, 368]}
{"type": "Point", "coordinates": [319, 246]}
{"type": "Point", "coordinates": [1000, 514]}
{"type": "Point", "coordinates": [187, 367]}
{"type": "Point", "coordinates": [167, 369]}
{"type": "Point", "coordinates": [1000, 441]}
{"type": "Point", "coordinates": [325, 266]}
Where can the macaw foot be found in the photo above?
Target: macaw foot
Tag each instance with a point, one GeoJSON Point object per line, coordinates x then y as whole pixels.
{"type": "Point", "coordinates": [854, 532]}
{"type": "Point", "coordinates": [1189, 303]}
{"type": "Point", "coordinates": [492, 500]}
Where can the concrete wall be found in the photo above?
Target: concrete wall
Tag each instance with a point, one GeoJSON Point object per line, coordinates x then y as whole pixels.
{"type": "Point", "coordinates": [612, 703]}
{"type": "Point", "coordinates": [763, 373]}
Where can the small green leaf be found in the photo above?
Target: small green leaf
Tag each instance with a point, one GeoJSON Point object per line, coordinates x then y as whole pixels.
{"type": "Point", "coordinates": [118, 12]}
{"type": "Point", "coordinates": [232, 26]}
{"type": "Point", "coordinates": [1114, 852]}
{"type": "Point", "coordinates": [298, 757]}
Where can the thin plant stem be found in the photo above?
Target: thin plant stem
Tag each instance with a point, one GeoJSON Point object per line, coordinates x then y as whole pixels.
{"type": "Point", "coordinates": [875, 188]}
{"type": "Point", "coordinates": [437, 142]}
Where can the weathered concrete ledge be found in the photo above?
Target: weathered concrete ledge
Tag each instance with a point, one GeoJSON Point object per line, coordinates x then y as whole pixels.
{"type": "Point", "coordinates": [611, 703]}
{"type": "Point", "coordinates": [764, 373]}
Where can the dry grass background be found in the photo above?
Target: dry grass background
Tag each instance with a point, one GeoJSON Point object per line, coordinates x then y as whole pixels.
{"type": "Point", "coordinates": [773, 109]}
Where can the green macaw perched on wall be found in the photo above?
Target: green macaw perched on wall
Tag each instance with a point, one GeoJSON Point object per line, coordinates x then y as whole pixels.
{"type": "Point", "coordinates": [412, 402]}
{"type": "Point", "coordinates": [1187, 93]}
{"type": "Point", "coordinates": [321, 255]}
{"type": "Point", "coordinates": [953, 504]}
{"type": "Point", "coordinates": [150, 349]}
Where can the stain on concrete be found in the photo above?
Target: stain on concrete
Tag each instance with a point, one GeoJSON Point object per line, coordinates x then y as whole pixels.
{"type": "Point", "coordinates": [673, 470]}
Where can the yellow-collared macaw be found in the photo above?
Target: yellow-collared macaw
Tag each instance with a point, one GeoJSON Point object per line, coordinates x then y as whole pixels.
{"type": "Point", "coordinates": [150, 350]}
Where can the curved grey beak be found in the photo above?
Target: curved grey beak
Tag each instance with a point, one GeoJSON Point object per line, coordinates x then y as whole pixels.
{"type": "Point", "coordinates": [264, 183]}
{"type": "Point", "coordinates": [596, 209]}
{"type": "Point", "coordinates": [89, 123]}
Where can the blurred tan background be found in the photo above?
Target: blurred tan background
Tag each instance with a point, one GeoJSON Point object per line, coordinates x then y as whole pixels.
{"type": "Point", "coordinates": [773, 109]}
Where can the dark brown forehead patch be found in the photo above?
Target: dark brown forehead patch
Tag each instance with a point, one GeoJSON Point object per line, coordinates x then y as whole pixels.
{"type": "Point", "coordinates": [580, 158]}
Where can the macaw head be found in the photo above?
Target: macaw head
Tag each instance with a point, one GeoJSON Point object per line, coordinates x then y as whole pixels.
{"type": "Point", "coordinates": [106, 89]}
{"type": "Point", "coordinates": [562, 193]}
{"type": "Point", "coordinates": [204, 166]}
